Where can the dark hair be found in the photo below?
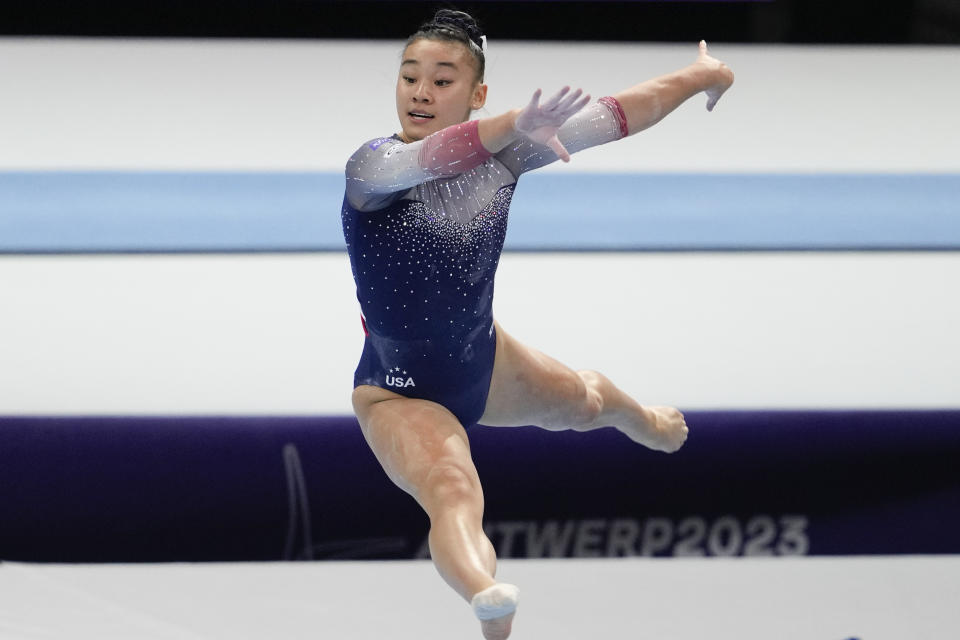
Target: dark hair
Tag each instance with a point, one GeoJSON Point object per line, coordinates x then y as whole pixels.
{"type": "Point", "coordinates": [454, 26]}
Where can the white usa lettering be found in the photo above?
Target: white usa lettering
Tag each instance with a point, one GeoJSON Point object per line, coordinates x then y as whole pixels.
{"type": "Point", "coordinates": [397, 381]}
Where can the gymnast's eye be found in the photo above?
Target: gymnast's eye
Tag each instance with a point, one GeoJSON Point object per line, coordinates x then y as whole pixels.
{"type": "Point", "coordinates": [408, 80]}
{"type": "Point", "coordinates": [441, 83]}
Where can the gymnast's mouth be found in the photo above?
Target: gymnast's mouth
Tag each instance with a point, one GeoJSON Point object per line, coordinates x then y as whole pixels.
{"type": "Point", "coordinates": [419, 115]}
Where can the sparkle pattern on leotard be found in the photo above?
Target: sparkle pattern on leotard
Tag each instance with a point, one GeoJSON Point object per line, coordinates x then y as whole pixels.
{"type": "Point", "coordinates": [420, 273]}
{"type": "Point", "coordinates": [424, 252]}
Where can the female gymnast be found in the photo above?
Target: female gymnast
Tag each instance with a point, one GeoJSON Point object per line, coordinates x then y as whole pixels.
{"type": "Point", "coordinates": [424, 217]}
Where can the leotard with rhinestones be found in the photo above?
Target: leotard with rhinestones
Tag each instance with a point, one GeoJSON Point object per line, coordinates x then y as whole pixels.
{"type": "Point", "coordinates": [424, 225]}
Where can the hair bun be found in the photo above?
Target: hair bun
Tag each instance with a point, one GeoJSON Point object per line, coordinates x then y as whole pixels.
{"type": "Point", "coordinates": [446, 18]}
{"type": "Point", "coordinates": [455, 26]}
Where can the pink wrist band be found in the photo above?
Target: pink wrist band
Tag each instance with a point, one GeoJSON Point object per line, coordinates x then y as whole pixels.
{"type": "Point", "coordinates": [617, 109]}
{"type": "Point", "coordinates": [453, 150]}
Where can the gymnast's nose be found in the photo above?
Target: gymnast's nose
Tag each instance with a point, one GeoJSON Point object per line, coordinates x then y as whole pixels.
{"type": "Point", "coordinates": [422, 93]}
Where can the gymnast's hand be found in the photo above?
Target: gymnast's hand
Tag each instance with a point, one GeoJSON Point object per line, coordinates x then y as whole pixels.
{"type": "Point", "coordinates": [541, 122]}
{"type": "Point", "coordinates": [721, 75]}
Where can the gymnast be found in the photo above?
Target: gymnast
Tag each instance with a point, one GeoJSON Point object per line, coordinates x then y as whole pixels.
{"type": "Point", "coordinates": [424, 218]}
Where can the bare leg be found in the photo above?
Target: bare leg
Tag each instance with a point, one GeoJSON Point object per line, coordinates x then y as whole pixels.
{"type": "Point", "coordinates": [531, 388]}
{"type": "Point", "coordinates": [424, 450]}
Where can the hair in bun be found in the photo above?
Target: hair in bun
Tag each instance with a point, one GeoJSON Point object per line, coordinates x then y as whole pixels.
{"type": "Point", "coordinates": [454, 26]}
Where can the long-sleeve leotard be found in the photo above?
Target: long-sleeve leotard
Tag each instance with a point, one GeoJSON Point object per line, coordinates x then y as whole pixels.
{"type": "Point", "coordinates": [385, 168]}
{"type": "Point", "coordinates": [424, 225]}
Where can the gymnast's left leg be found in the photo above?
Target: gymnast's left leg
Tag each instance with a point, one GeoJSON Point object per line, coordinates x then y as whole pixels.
{"type": "Point", "coordinates": [531, 388]}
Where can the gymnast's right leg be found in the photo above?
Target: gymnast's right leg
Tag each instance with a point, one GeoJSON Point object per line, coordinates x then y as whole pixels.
{"type": "Point", "coordinates": [424, 450]}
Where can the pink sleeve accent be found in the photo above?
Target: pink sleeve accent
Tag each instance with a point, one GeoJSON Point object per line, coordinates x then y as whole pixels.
{"type": "Point", "coordinates": [453, 150]}
{"type": "Point", "coordinates": [617, 109]}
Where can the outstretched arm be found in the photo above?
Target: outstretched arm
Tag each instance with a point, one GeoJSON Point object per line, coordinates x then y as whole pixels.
{"type": "Point", "coordinates": [538, 122]}
{"type": "Point", "coordinates": [649, 102]}
{"type": "Point", "coordinates": [625, 113]}
{"type": "Point", "coordinates": [387, 166]}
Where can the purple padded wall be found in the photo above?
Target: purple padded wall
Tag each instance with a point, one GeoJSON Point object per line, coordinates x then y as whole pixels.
{"type": "Point", "coordinates": [82, 489]}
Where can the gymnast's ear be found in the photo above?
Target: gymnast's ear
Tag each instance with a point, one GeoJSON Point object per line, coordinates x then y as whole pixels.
{"type": "Point", "coordinates": [479, 97]}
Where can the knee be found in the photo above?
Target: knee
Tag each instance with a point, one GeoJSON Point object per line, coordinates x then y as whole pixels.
{"type": "Point", "coordinates": [448, 485]}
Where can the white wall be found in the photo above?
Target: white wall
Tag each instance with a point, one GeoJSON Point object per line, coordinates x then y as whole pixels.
{"type": "Point", "coordinates": [280, 334]}
{"type": "Point", "coordinates": [222, 104]}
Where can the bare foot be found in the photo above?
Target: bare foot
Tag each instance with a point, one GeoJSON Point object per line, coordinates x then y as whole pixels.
{"type": "Point", "coordinates": [663, 429]}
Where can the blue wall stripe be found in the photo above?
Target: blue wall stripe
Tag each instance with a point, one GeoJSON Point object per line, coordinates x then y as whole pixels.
{"type": "Point", "coordinates": [235, 211]}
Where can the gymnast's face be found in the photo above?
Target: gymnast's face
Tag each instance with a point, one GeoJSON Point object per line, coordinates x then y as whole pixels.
{"type": "Point", "coordinates": [437, 87]}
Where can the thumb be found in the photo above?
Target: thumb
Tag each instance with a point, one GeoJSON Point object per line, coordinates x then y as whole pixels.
{"type": "Point", "coordinates": [558, 148]}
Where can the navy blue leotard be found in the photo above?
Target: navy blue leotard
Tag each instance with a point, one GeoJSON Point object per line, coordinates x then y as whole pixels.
{"type": "Point", "coordinates": [424, 225]}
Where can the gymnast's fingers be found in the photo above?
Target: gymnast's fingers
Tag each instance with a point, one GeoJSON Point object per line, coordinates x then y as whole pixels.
{"type": "Point", "coordinates": [535, 100]}
{"type": "Point", "coordinates": [551, 104]}
{"type": "Point", "coordinates": [580, 104]}
{"type": "Point", "coordinates": [568, 100]}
